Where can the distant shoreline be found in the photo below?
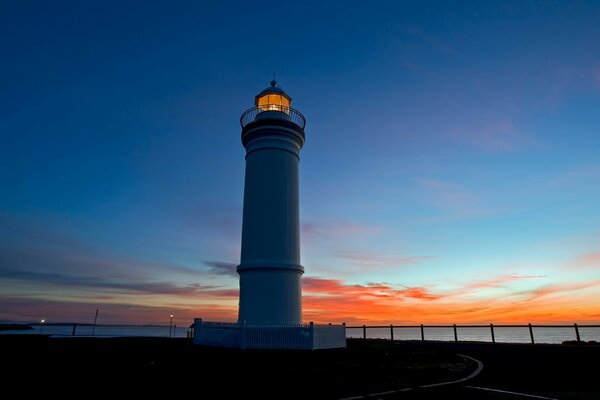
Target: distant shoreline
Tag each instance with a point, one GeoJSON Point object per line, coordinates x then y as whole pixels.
{"type": "Point", "coordinates": [15, 327]}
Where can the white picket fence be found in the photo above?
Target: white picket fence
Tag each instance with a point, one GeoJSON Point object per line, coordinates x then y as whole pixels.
{"type": "Point", "coordinates": [283, 337]}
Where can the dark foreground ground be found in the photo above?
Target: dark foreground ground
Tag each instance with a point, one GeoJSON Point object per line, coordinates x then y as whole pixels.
{"type": "Point", "coordinates": [125, 367]}
{"type": "Point", "coordinates": [519, 371]}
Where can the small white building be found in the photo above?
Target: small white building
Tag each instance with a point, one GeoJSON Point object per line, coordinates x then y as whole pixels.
{"type": "Point", "coordinates": [270, 307]}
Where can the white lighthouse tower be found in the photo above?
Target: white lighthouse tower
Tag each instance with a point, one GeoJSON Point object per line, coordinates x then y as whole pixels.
{"type": "Point", "coordinates": [270, 306]}
{"type": "Point", "coordinates": [270, 270]}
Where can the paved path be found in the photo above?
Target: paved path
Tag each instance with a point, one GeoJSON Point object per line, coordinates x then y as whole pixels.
{"type": "Point", "coordinates": [518, 371]}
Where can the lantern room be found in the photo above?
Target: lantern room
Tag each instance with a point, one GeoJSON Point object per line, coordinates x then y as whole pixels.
{"type": "Point", "coordinates": [273, 98]}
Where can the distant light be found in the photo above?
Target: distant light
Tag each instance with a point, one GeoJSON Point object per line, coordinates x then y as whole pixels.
{"type": "Point", "coordinates": [171, 315]}
{"type": "Point", "coordinates": [43, 321]}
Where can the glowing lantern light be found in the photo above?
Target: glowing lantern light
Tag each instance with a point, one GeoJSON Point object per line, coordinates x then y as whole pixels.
{"type": "Point", "coordinates": [273, 98]}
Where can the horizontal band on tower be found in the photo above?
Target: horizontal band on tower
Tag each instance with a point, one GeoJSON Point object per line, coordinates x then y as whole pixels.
{"type": "Point", "coordinates": [273, 142]}
{"type": "Point", "coordinates": [255, 131]}
{"type": "Point", "coordinates": [271, 267]}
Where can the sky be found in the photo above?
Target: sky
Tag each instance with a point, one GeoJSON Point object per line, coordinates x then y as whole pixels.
{"type": "Point", "coordinates": [451, 170]}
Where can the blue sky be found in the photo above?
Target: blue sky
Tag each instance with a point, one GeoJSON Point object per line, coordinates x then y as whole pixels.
{"type": "Point", "coordinates": [452, 151]}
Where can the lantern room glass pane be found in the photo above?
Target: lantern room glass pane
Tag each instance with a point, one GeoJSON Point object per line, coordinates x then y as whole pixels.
{"type": "Point", "coordinates": [273, 102]}
{"type": "Point", "coordinates": [263, 102]}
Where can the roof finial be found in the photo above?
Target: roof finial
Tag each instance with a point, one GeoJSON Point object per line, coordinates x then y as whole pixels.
{"type": "Point", "coordinates": [273, 82]}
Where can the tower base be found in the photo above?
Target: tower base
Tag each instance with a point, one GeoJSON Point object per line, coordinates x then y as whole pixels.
{"type": "Point", "coordinates": [283, 337]}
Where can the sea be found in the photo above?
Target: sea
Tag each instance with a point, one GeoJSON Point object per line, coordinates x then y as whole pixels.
{"type": "Point", "coordinates": [102, 330]}
{"type": "Point", "coordinates": [478, 334]}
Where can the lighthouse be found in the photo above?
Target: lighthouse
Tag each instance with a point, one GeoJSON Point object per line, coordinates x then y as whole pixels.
{"type": "Point", "coordinates": [270, 304]}
{"type": "Point", "coordinates": [270, 269]}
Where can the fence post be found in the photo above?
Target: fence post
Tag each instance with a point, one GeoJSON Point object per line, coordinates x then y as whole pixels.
{"type": "Point", "coordinates": [392, 332]}
{"type": "Point", "coordinates": [422, 333]}
{"type": "Point", "coordinates": [531, 334]}
{"type": "Point", "coordinates": [455, 334]}
{"type": "Point", "coordinates": [75, 327]}
{"type": "Point", "coordinates": [364, 331]}
{"type": "Point", "coordinates": [492, 331]}
{"type": "Point", "coordinates": [243, 345]}
{"type": "Point", "coordinates": [577, 333]}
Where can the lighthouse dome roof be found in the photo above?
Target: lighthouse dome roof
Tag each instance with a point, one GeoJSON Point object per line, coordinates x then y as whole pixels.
{"type": "Point", "coordinates": [274, 88]}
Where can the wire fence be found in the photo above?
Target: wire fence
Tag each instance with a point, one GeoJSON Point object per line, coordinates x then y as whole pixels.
{"type": "Point", "coordinates": [527, 333]}
{"type": "Point", "coordinates": [492, 333]}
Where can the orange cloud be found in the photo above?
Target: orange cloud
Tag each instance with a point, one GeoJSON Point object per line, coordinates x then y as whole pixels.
{"type": "Point", "coordinates": [419, 293]}
{"type": "Point", "coordinates": [588, 260]}
{"type": "Point", "coordinates": [330, 300]}
{"type": "Point", "coordinates": [562, 288]}
{"type": "Point", "coordinates": [499, 281]}
{"type": "Point", "coordinates": [334, 287]}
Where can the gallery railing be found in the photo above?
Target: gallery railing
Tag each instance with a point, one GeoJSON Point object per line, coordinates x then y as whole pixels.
{"type": "Point", "coordinates": [272, 112]}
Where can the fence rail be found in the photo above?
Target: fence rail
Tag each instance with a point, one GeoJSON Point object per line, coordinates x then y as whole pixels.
{"type": "Point", "coordinates": [493, 329]}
